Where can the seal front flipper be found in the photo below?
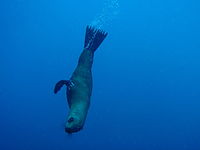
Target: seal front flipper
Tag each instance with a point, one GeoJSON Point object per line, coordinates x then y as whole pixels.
{"type": "Point", "coordinates": [60, 84]}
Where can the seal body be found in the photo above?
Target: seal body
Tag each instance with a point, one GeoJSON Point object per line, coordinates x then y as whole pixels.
{"type": "Point", "coordinates": [78, 94]}
{"type": "Point", "coordinates": [79, 87]}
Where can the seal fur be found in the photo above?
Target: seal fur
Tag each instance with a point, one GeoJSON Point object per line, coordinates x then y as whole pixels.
{"type": "Point", "coordinates": [79, 86]}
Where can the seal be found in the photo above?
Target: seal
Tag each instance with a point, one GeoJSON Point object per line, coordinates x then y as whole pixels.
{"type": "Point", "coordinates": [79, 86]}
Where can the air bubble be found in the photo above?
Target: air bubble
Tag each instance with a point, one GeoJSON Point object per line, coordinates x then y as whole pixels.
{"type": "Point", "coordinates": [108, 13]}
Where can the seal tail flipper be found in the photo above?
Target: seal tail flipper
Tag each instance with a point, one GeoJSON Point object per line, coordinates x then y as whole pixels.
{"type": "Point", "coordinates": [60, 84]}
{"type": "Point", "coordinates": [93, 38]}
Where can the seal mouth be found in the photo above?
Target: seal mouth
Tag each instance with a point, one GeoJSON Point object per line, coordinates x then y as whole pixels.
{"type": "Point", "coordinates": [72, 130]}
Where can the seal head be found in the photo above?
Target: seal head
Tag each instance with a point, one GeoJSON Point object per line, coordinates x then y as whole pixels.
{"type": "Point", "coordinates": [73, 124]}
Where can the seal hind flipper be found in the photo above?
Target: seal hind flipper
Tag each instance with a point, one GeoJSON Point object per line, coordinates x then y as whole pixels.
{"type": "Point", "coordinates": [60, 84]}
{"type": "Point", "coordinates": [93, 38]}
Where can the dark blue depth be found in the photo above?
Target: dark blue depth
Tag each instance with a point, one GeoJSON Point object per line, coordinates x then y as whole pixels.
{"type": "Point", "coordinates": [146, 75]}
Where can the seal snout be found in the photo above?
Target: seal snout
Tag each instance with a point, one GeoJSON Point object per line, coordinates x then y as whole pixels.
{"type": "Point", "coordinates": [68, 130]}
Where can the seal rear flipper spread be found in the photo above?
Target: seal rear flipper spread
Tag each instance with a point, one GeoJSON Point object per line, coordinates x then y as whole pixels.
{"type": "Point", "coordinates": [60, 84]}
{"type": "Point", "coordinates": [93, 38]}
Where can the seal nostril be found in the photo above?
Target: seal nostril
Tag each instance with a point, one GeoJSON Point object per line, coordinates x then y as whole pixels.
{"type": "Point", "coordinates": [70, 119]}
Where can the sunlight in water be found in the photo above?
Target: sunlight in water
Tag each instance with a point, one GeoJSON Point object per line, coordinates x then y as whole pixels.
{"type": "Point", "coordinates": [109, 12]}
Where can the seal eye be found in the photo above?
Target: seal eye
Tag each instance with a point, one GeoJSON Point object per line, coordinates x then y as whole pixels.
{"type": "Point", "coordinates": [70, 119]}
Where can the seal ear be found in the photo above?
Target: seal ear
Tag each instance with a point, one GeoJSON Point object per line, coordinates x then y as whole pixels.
{"type": "Point", "coordinates": [60, 84]}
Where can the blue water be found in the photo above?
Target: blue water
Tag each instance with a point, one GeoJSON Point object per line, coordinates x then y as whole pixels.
{"type": "Point", "coordinates": [146, 93]}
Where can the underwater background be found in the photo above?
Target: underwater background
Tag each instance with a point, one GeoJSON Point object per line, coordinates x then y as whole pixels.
{"type": "Point", "coordinates": [146, 74]}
